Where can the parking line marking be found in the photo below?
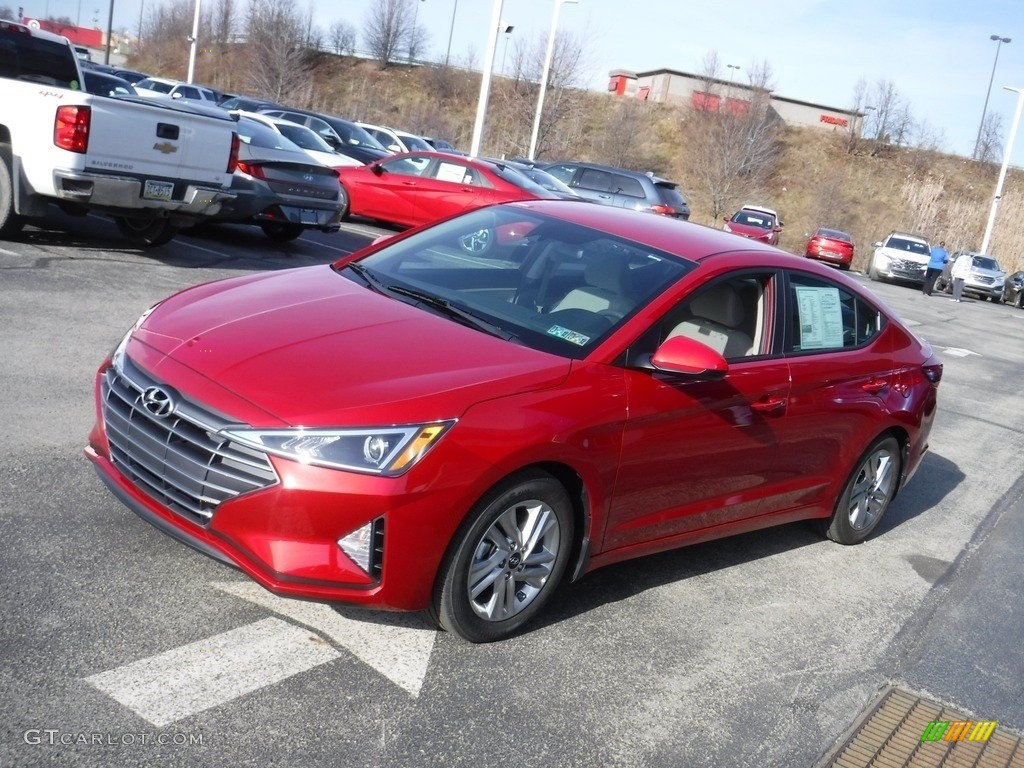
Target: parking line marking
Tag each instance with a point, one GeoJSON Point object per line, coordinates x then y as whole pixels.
{"type": "Point", "coordinates": [195, 677]}
{"type": "Point", "coordinates": [398, 647]}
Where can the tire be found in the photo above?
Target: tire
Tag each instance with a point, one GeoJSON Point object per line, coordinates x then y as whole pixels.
{"type": "Point", "coordinates": [868, 492]}
{"type": "Point", "coordinates": [281, 232]}
{"type": "Point", "coordinates": [506, 559]}
{"type": "Point", "coordinates": [1019, 303]}
{"type": "Point", "coordinates": [149, 232]}
{"type": "Point", "coordinates": [477, 243]}
{"type": "Point", "coordinates": [10, 222]}
{"type": "Point", "coordinates": [346, 203]}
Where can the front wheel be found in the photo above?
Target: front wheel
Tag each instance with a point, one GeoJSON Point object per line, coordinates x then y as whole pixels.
{"type": "Point", "coordinates": [281, 232]}
{"type": "Point", "coordinates": [867, 494]}
{"type": "Point", "coordinates": [872, 272]}
{"type": "Point", "coordinates": [1019, 303]}
{"type": "Point", "coordinates": [506, 559]}
{"type": "Point", "coordinates": [150, 232]}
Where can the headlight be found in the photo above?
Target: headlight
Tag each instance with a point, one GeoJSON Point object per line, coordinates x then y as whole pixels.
{"type": "Point", "coordinates": [881, 259]}
{"type": "Point", "coordinates": [117, 357]}
{"type": "Point", "coordinates": [727, 228]}
{"type": "Point", "coordinates": [385, 451]}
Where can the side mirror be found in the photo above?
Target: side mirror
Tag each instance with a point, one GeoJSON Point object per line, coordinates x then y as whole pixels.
{"type": "Point", "coordinates": [777, 228]}
{"type": "Point", "coordinates": [377, 169]}
{"type": "Point", "coordinates": [683, 355]}
{"type": "Point", "coordinates": [877, 245]}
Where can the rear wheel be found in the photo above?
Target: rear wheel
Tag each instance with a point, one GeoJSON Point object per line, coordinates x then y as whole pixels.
{"type": "Point", "coordinates": [150, 232]}
{"type": "Point", "coordinates": [281, 232]}
{"type": "Point", "coordinates": [10, 222]}
{"type": "Point", "coordinates": [506, 559]}
{"type": "Point", "coordinates": [867, 494]}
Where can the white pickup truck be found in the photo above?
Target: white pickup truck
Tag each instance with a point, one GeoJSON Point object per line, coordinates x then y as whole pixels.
{"type": "Point", "coordinates": [154, 166]}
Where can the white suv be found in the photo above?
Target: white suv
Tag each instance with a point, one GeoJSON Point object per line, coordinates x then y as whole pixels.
{"type": "Point", "coordinates": [900, 257]}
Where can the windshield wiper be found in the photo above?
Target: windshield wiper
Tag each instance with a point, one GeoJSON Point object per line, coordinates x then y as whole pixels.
{"type": "Point", "coordinates": [446, 307]}
{"type": "Point", "coordinates": [371, 279]}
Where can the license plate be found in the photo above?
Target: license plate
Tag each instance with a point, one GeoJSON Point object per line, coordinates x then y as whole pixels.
{"type": "Point", "coordinates": [307, 216]}
{"type": "Point", "coordinates": [158, 190]}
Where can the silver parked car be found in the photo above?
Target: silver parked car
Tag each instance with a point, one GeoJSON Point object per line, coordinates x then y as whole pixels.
{"type": "Point", "coordinates": [985, 280]}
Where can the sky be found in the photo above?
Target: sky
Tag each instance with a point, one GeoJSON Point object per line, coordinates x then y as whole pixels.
{"type": "Point", "coordinates": [937, 53]}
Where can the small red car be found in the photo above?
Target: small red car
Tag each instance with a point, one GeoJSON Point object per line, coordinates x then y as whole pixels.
{"type": "Point", "coordinates": [416, 427]}
{"type": "Point", "coordinates": [420, 187]}
{"type": "Point", "coordinates": [755, 222]}
{"type": "Point", "coordinates": [832, 246]}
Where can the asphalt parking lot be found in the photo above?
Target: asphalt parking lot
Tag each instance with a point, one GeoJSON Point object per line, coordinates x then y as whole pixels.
{"type": "Point", "coordinates": [123, 647]}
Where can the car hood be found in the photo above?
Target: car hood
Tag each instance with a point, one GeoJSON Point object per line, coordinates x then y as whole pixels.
{"type": "Point", "coordinates": [899, 253]}
{"type": "Point", "coordinates": [309, 347]}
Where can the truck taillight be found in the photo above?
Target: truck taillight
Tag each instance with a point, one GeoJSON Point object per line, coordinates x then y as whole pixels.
{"type": "Point", "coordinates": [233, 158]}
{"type": "Point", "coordinates": [71, 128]}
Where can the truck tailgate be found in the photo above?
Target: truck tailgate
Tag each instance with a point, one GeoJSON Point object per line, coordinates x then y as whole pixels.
{"type": "Point", "coordinates": [166, 139]}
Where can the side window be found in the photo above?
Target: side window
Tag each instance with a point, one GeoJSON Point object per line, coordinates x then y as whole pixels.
{"type": "Point", "coordinates": [457, 173]}
{"type": "Point", "coordinates": [563, 173]}
{"type": "Point", "coordinates": [733, 316]}
{"type": "Point", "coordinates": [189, 93]}
{"type": "Point", "coordinates": [627, 185]}
{"type": "Point", "coordinates": [593, 179]}
{"type": "Point", "coordinates": [823, 316]}
{"type": "Point", "coordinates": [408, 166]}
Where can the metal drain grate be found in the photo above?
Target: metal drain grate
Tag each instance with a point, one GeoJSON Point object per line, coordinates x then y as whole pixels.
{"type": "Point", "coordinates": [890, 736]}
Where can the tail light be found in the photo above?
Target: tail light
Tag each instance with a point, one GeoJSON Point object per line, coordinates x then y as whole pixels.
{"type": "Point", "coordinates": [932, 370]}
{"type": "Point", "coordinates": [71, 128]}
{"type": "Point", "coordinates": [664, 210]}
{"type": "Point", "coordinates": [252, 169]}
{"type": "Point", "coordinates": [233, 157]}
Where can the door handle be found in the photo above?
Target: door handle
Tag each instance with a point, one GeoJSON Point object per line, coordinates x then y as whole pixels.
{"type": "Point", "coordinates": [768, 404]}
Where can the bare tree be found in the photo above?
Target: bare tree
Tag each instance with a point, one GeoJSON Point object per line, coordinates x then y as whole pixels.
{"type": "Point", "coordinates": [279, 65]}
{"type": "Point", "coordinates": [990, 144]}
{"type": "Point", "coordinates": [387, 28]}
{"type": "Point", "coordinates": [6, 12]}
{"type": "Point", "coordinates": [710, 72]}
{"type": "Point", "coordinates": [343, 38]}
{"type": "Point", "coordinates": [737, 149]}
{"type": "Point", "coordinates": [889, 119]}
{"type": "Point", "coordinates": [223, 26]}
{"type": "Point", "coordinates": [855, 128]}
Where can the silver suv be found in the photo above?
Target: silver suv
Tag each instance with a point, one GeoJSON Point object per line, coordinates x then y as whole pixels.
{"type": "Point", "coordinates": [900, 257]}
{"type": "Point", "coordinates": [985, 279]}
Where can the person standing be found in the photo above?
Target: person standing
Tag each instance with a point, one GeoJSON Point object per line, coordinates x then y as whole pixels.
{"type": "Point", "coordinates": [938, 260]}
{"type": "Point", "coordinates": [959, 273]}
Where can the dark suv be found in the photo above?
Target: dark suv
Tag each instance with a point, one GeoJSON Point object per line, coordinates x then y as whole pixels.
{"type": "Point", "coordinates": [621, 187]}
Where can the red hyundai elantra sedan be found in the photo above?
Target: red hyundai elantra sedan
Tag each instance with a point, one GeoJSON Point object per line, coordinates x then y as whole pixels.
{"type": "Point", "coordinates": [830, 245]}
{"type": "Point", "coordinates": [420, 187]}
{"type": "Point", "coordinates": [415, 427]}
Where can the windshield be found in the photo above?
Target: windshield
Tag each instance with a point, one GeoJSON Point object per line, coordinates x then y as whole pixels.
{"type": "Point", "coordinates": [303, 136]}
{"type": "Point", "coordinates": [551, 285]}
{"type": "Point", "coordinates": [986, 262]}
{"type": "Point", "coordinates": [546, 180]}
{"type": "Point", "coordinates": [256, 134]}
{"type": "Point", "coordinates": [911, 246]}
{"type": "Point", "coordinates": [355, 135]}
{"type": "Point", "coordinates": [521, 180]}
{"type": "Point", "coordinates": [154, 85]}
{"type": "Point", "coordinates": [752, 219]}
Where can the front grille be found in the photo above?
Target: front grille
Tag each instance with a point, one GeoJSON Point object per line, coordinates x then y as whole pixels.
{"type": "Point", "coordinates": [179, 460]}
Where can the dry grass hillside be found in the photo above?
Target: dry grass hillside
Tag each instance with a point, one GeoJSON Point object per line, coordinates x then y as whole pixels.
{"type": "Point", "coordinates": [814, 180]}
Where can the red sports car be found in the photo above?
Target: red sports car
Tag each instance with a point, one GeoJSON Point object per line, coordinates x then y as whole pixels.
{"type": "Point", "coordinates": [415, 427]}
{"type": "Point", "coordinates": [832, 246]}
{"type": "Point", "coordinates": [757, 223]}
{"type": "Point", "coordinates": [420, 187]}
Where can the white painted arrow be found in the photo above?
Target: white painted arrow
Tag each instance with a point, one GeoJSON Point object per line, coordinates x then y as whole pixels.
{"type": "Point", "coordinates": [958, 352]}
{"type": "Point", "coordinates": [399, 648]}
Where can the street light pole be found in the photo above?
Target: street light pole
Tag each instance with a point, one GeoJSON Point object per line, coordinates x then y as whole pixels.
{"type": "Point", "coordinates": [194, 41]}
{"type": "Point", "coordinates": [1002, 171]}
{"type": "Point", "coordinates": [485, 79]}
{"type": "Point", "coordinates": [544, 77]}
{"type": "Point", "coordinates": [732, 71]}
{"type": "Point", "coordinates": [999, 41]}
{"type": "Point", "coordinates": [451, 29]}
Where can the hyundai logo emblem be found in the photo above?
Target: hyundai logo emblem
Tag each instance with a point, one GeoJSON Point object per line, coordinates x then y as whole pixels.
{"type": "Point", "coordinates": [157, 402]}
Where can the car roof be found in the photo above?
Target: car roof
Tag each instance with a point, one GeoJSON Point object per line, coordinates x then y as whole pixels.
{"type": "Point", "coordinates": [907, 236]}
{"type": "Point", "coordinates": [759, 209]}
{"type": "Point", "coordinates": [601, 167]}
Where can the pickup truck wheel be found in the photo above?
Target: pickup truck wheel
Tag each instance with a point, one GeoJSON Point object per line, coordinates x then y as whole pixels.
{"type": "Point", "coordinates": [151, 232]}
{"type": "Point", "coordinates": [280, 232]}
{"type": "Point", "coordinates": [10, 222]}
